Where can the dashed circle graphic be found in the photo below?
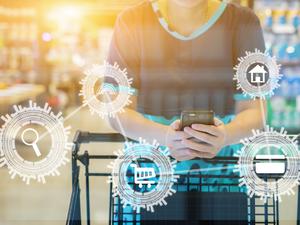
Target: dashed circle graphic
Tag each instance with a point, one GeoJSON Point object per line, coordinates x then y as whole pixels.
{"type": "Point", "coordinates": [264, 88]}
{"type": "Point", "coordinates": [33, 115]}
{"type": "Point", "coordinates": [269, 188]}
{"type": "Point", "coordinates": [163, 188]}
{"type": "Point", "coordinates": [121, 86]}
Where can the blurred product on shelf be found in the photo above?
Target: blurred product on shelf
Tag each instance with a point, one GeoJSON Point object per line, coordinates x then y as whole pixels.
{"type": "Point", "coordinates": [18, 45]}
{"type": "Point", "coordinates": [40, 46]}
{"type": "Point", "coordinates": [247, 3]}
{"type": "Point", "coordinates": [281, 24]}
{"type": "Point", "coordinates": [285, 106]}
{"type": "Point", "coordinates": [73, 43]}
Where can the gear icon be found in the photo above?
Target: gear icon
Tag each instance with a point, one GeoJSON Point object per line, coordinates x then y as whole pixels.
{"type": "Point", "coordinates": [257, 75]}
{"type": "Point", "coordinates": [120, 86]}
{"type": "Point", "coordinates": [269, 186]}
{"type": "Point", "coordinates": [23, 117]}
{"type": "Point", "coordinates": [128, 191]}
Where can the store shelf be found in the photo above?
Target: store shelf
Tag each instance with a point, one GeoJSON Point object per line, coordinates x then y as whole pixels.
{"type": "Point", "coordinates": [281, 24]}
{"type": "Point", "coordinates": [289, 63]}
{"type": "Point", "coordinates": [19, 93]}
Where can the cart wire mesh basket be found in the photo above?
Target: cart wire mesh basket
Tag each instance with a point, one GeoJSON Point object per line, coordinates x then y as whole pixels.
{"type": "Point", "coordinates": [201, 198]}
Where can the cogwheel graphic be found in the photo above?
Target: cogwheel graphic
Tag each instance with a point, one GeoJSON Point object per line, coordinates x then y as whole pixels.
{"type": "Point", "coordinates": [257, 75]}
{"type": "Point", "coordinates": [129, 157]}
{"type": "Point", "coordinates": [121, 87]}
{"type": "Point", "coordinates": [268, 186]}
{"type": "Point", "coordinates": [33, 115]}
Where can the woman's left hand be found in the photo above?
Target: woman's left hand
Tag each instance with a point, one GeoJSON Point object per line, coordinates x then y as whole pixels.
{"type": "Point", "coordinates": [212, 138]}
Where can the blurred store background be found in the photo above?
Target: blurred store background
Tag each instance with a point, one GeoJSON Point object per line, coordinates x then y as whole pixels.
{"type": "Point", "coordinates": [44, 46]}
{"type": "Point", "coordinates": [281, 23]}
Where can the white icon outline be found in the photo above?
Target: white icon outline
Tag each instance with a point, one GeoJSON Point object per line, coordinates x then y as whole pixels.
{"type": "Point", "coordinates": [101, 72]}
{"type": "Point", "coordinates": [141, 175]}
{"type": "Point", "coordinates": [255, 72]}
{"type": "Point", "coordinates": [164, 187]}
{"type": "Point", "coordinates": [33, 144]}
{"type": "Point", "coordinates": [268, 166]}
{"type": "Point", "coordinates": [261, 91]}
{"type": "Point", "coordinates": [255, 184]}
{"type": "Point", "coordinates": [48, 165]}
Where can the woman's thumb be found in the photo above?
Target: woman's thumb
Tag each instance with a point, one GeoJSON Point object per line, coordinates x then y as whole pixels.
{"type": "Point", "coordinates": [175, 125]}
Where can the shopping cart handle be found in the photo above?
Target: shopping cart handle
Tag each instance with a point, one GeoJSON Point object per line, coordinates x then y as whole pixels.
{"type": "Point", "coordinates": [87, 137]}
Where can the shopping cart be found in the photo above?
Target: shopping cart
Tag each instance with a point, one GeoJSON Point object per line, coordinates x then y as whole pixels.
{"type": "Point", "coordinates": [192, 188]}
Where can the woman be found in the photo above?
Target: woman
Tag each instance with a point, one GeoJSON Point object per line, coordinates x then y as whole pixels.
{"type": "Point", "coordinates": [181, 55]}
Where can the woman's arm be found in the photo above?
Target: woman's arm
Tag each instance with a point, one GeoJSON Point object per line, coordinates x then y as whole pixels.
{"type": "Point", "coordinates": [250, 115]}
{"type": "Point", "coordinates": [134, 125]}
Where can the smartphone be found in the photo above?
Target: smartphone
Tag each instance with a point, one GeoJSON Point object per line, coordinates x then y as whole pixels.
{"type": "Point", "coordinates": [190, 117]}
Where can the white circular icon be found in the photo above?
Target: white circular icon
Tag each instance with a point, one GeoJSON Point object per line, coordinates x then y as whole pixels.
{"type": "Point", "coordinates": [143, 175]}
{"type": "Point", "coordinates": [257, 75]}
{"type": "Point", "coordinates": [269, 164]}
{"type": "Point", "coordinates": [21, 123]}
{"type": "Point", "coordinates": [114, 92]}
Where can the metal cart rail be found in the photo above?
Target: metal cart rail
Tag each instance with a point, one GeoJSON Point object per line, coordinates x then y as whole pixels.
{"type": "Point", "coordinates": [258, 212]}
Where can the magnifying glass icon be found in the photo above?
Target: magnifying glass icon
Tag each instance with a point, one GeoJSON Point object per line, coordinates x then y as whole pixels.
{"type": "Point", "coordinates": [32, 143]}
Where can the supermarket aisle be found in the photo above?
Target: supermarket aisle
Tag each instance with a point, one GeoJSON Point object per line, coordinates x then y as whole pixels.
{"type": "Point", "coordinates": [38, 204]}
{"type": "Point", "coordinates": [41, 54]}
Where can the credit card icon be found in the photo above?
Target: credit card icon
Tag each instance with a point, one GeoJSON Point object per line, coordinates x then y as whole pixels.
{"type": "Point", "coordinates": [270, 164]}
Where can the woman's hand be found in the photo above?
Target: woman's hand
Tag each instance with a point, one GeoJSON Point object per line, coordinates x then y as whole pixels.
{"type": "Point", "coordinates": [174, 141]}
{"type": "Point", "coordinates": [212, 139]}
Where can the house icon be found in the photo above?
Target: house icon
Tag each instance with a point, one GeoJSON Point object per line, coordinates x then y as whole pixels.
{"type": "Point", "coordinates": [258, 74]}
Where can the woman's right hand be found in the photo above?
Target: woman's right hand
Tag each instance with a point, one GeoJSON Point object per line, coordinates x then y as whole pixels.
{"type": "Point", "coordinates": [174, 139]}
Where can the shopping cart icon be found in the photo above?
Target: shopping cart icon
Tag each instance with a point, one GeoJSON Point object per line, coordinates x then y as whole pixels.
{"type": "Point", "coordinates": [142, 176]}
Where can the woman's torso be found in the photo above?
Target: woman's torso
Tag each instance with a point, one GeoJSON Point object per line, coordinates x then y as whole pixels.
{"type": "Point", "coordinates": [176, 72]}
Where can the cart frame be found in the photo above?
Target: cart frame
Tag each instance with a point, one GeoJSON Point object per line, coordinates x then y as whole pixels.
{"type": "Point", "coordinates": [78, 160]}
